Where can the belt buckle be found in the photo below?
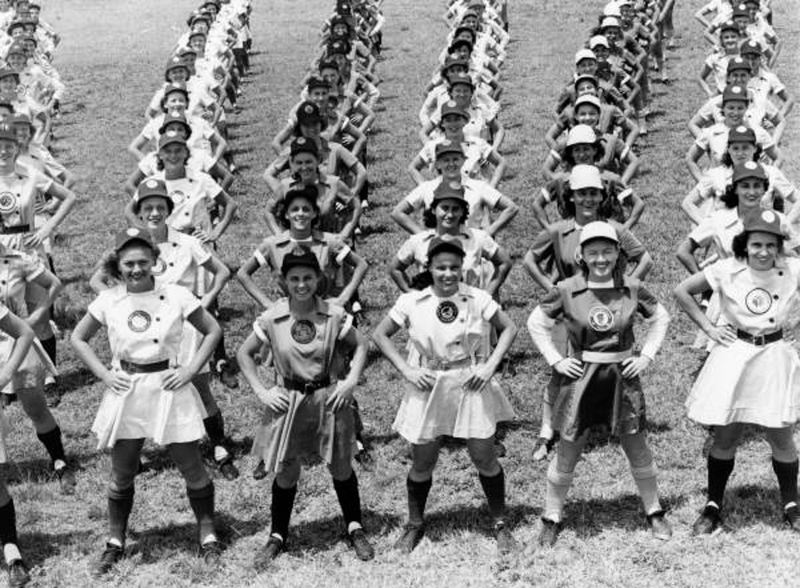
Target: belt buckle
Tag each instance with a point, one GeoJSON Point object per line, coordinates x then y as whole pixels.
{"type": "Point", "coordinates": [759, 340]}
{"type": "Point", "coordinates": [309, 388]}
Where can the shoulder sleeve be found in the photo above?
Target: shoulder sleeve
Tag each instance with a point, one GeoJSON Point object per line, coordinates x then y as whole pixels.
{"type": "Point", "coordinates": [345, 325]}
{"type": "Point", "coordinates": [491, 196]}
{"type": "Point", "coordinates": [406, 252]}
{"type": "Point", "coordinates": [42, 182]}
{"type": "Point", "coordinates": [401, 310]}
{"type": "Point", "coordinates": [487, 243]}
{"type": "Point", "coordinates": [542, 247]}
{"type": "Point", "coordinates": [488, 305]}
{"type": "Point", "coordinates": [703, 232]}
{"type": "Point", "coordinates": [715, 273]}
{"type": "Point", "coordinates": [552, 303]}
{"type": "Point", "coordinates": [210, 186]}
{"type": "Point", "coordinates": [98, 307]}
{"type": "Point", "coordinates": [4, 312]}
{"type": "Point", "coordinates": [199, 253]}
{"type": "Point", "coordinates": [183, 299]}
{"type": "Point", "coordinates": [415, 199]}
{"type": "Point", "coordinates": [647, 303]}
{"type": "Point", "coordinates": [260, 327]}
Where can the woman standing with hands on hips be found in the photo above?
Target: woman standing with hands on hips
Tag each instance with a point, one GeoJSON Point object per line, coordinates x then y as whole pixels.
{"type": "Point", "coordinates": [451, 390]}
{"type": "Point", "coordinates": [599, 378]}
{"type": "Point", "coordinates": [149, 395]}
{"type": "Point", "coordinates": [752, 374]}
{"type": "Point", "coordinates": [309, 412]}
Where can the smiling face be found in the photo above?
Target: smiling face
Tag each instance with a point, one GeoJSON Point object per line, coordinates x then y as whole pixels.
{"type": "Point", "coordinates": [449, 214]}
{"type": "Point", "coordinates": [301, 283]}
{"type": "Point", "coordinates": [445, 268]}
{"type": "Point", "coordinates": [733, 111]}
{"type": "Point", "coordinates": [8, 85]}
{"type": "Point", "coordinates": [301, 214]}
{"type": "Point", "coordinates": [586, 200]}
{"type": "Point", "coordinates": [330, 75]}
{"type": "Point", "coordinates": [583, 153]}
{"type": "Point", "coordinates": [586, 67]}
{"type": "Point", "coordinates": [319, 96]}
{"type": "Point", "coordinates": [178, 75]}
{"type": "Point", "coordinates": [741, 151]}
{"type": "Point", "coordinates": [762, 250]}
{"type": "Point", "coordinates": [135, 265]}
{"type": "Point", "coordinates": [600, 256]}
{"type": "Point", "coordinates": [9, 150]}
{"type": "Point", "coordinates": [449, 165]}
{"type": "Point", "coordinates": [453, 124]}
{"type": "Point", "coordinates": [461, 94]}
{"type": "Point", "coordinates": [23, 131]}
{"type": "Point", "coordinates": [754, 59]}
{"type": "Point", "coordinates": [173, 156]}
{"type": "Point", "coordinates": [749, 191]}
{"type": "Point", "coordinates": [739, 77]}
{"type": "Point", "coordinates": [175, 101]}
{"type": "Point", "coordinates": [17, 61]}
{"type": "Point", "coordinates": [587, 114]}
{"type": "Point", "coordinates": [304, 166]}
{"type": "Point", "coordinates": [729, 41]}
{"type": "Point", "coordinates": [153, 212]}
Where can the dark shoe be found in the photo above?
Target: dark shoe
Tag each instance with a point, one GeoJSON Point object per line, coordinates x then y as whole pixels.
{"type": "Point", "coordinates": [18, 575]}
{"type": "Point", "coordinates": [791, 518]}
{"type": "Point", "coordinates": [227, 374]}
{"type": "Point", "coordinates": [709, 522]}
{"type": "Point", "coordinates": [659, 525]}
{"type": "Point", "coordinates": [361, 545]}
{"type": "Point", "coordinates": [108, 559]}
{"type": "Point", "coordinates": [272, 549]}
{"type": "Point", "coordinates": [505, 540]}
{"type": "Point", "coordinates": [499, 448]}
{"type": "Point", "coordinates": [66, 478]}
{"type": "Point", "coordinates": [227, 468]}
{"type": "Point", "coordinates": [542, 448]}
{"type": "Point", "coordinates": [549, 533]}
{"type": "Point", "coordinates": [412, 535]}
{"type": "Point", "coordinates": [211, 552]}
{"type": "Point", "coordinates": [259, 473]}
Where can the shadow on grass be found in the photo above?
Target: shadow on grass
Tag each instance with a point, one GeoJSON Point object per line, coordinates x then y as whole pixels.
{"type": "Point", "coordinates": [37, 547]}
{"type": "Point", "coordinates": [321, 534]}
{"type": "Point", "coordinates": [375, 229]}
{"type": "Point", "coordinates": [441, 524]}
{"type": "Point", "coordinates": [74, 380]}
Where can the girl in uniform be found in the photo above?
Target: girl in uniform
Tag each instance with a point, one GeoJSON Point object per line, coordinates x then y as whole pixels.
{"type": "Point", "coordinates": [599, 378]}
{"type": "Point", "coordinates": [309, 412]}
{"type": "Point", "coordinates": [752, 374]}
{"type": "Point", "coordinates": [451, 389]}
{"type": "Point", "coordinates": [149, 392]}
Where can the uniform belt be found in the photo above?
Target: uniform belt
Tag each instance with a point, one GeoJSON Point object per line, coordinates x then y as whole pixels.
{"type": "Point", "coordinates": [187, 230]}
{"type": "Point", "coordinates": [16, 229]}
{"type": "Point", "coordinates": [305, 386]}
{"type": "Point", "coordinates": [132, 367]}
{"type": "Point", "coordinates": [604, 356]}
{"type": "Point", "coordinates": [442, 365]}
{"type": "Point", "coordinates": [760, 340]}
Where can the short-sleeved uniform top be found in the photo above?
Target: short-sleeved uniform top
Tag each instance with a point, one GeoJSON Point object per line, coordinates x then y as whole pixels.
{"type": "Point", "coordinates": [144, 327]}
{"type": "Point", "coordinates": [192, 196]}
{"type": "Point", "coordinates": [758, 302]}
{"type": "Point", "coordinates": [558, 245]}
{"type": "Point", "coordinates": [179, 258]}
{"type": "Point", "coordinates": [16, 270]}
{"type": "Point", "coordinates": [718, 229]}
{"type": "Point", "coordinates": [763, 85]}
{"type": "Point", "coordinates": [716, 180]}
{"type": "Point", "coordinates": [477, 244]}
{"type": "Point", "coordinates": [18, 194]}
{"type": "Point", "coordinates": [480, 196]}
{"type": "Point", "coordinates": [477, 151]}
{"type": "Point", "coordinates": [449, 329]}
{"type": "Point", "coordinates": [304, 349]}
{"type": "Point", "coordinates": [713, 141]}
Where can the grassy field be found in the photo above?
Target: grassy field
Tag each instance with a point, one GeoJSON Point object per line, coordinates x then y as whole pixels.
{"type": "Point", "coordinates": [111, 71]}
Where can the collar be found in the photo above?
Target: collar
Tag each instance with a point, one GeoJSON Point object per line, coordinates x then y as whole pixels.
{"type": "Point", "coordinates": [285, 238]}
{"type": "Point", "coordinates": [282, 311]}
{"type": "Point", "coordinates": [780, 264]}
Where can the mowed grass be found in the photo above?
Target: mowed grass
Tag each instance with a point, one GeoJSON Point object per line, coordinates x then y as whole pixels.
{"type": "Point", "coordinates": [112, 60]}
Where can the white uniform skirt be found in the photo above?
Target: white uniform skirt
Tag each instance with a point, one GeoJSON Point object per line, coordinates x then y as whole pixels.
{"type": "Point", "coordinates": [147, 411]}
{"type": "Point", "coordinates": [744, 383]}
{"type": "Point", "coordinates": [449, 410]}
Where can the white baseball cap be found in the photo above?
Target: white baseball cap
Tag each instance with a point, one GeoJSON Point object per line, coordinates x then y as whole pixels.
{"type": "Point", "coordinates": [598, 230]}
{"type": "Point", "coordinates": [598, 40]}
{"type": "Point", "coordinates": [581, 134]}
{"type": "Point", "coordinates": [585, 176]}
{"type": "Point", "coordinates": [612, 9]}
{"type": "Point", "coordinates": [584, 54]}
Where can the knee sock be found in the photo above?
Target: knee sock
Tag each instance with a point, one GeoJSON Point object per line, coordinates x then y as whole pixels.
{"type": "Point", "coordinates": [787, 479]}
{"type": "Point", "coordinates": [349, 499]}
{"type": "Point", "coordinates": [719, 470]}
{"type": "Point", "coordinates": [558, 484]}
{"type": "Point", "coordinates": [52, 443]}
{"type": "Point", "coordinates": [8, 532]}
{"type": "Point", "coordinates": [495, 489]}
{"type": "Point", "coordinates": [647, 483]}
{"type": "Point", "coordinates": [281, 509]}
{"type": "Point", "coordinates": [49, 346]}
{"type": "Point", "coordinates": [202, 502]}
{"type": "Point", "coordinates": [215, 428]}
{"type": "Point", "coordinates": [417, 497]}
{"type": "Point", "coordinates": [120, 504]}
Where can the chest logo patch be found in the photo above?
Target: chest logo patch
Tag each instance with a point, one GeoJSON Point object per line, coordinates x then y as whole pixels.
{"type": "Point", "coordinates": [601, 319]}
{"type": "Point", "coordinates": [758, 301]}
{"type": "Point", "coordinates": [177, 197]}
{"type": "Point", "coordinates": [139, 321]}
{"type": "Point", "coordinates": [8, 202]}
{"type": "Point", "coordinates": [304, 331]}
{"type": "Point", "coordinates": [447, 311]}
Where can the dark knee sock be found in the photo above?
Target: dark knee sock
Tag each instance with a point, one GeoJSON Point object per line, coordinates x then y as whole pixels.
{"type": "Point", "coordinates": [719, 470]}
{"type": "Point", "coordinates": [417, 497]}
{"type": "Point", "coordinates": [219, 351]}
{"type": "Point", "coordinates": [120, 504]}
{"type": "Point", "coordinates": [787, 479]}
{"type": "Point", "coordinates": [495, 489]}
{"type": "Point", "coordinates": [215, 428]}
{"type": "Point", "coordinates": [281, 509]}
{"type": "Point", "coordinates": [52, 442]}
{"type": "Point", "coordinates": [49, 346]}
{"type": "Point", "coordinates": [202, 502]}
{"type": "Point", "coordinates": [349, 499]}
{"type": "Point", "coordinates": [8, 523]}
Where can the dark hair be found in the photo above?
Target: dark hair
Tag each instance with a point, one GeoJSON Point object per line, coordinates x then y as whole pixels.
{"type": "Point", "coordinates": [726, 157]}
{"type": "Point", "coordinates": [739, 244]}
{"type": "Point", "coordinates": [731, 200]}
{"type": "Point", "coordinates": [109, 263]}
{"type": "Point", "coordinates": [429, 215]}
{"type": "Point", "coordinates": [160, 164]}
{"type": "Point", "coordinates": [617, 274]}
{"type": "Point", "coordinates": [599, 147]}
{"type": "Point", "coordinates": [324, 284]}
{"type": "Point", "coordinates": [566, 205]}
{"type": "Point", "coordinates": [283, 206]}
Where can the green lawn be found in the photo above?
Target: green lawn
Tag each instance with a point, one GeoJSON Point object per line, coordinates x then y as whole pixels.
{"type": "Point", "coordinates": [111, 71]}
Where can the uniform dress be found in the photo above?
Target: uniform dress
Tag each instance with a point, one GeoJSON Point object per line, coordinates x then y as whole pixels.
{"type": "Point", "coordinates": [449, 335]}
{"type": "Point", "coordinates": [713, 141]}
{"type": "Point", "coordinates": [744, 382]}
{"type": "Point", "coordinates": [18, 194]}
{"type": "Point", "coordinates": [17, 269]}
{"type": "Point", "coordinates": [334, 200]}
{"type": "Point", "coordinates": [305, 351]}
{"type": "Point", "coordinates": [145, 328]}
{"type": "Point", "coordinates": [480, 196]}
{"type": "Point", "coordinates": [478, 246]}
{"type": "Point", "coordinates": [476, 150]}
{"type": "Point", "coordinates": [714, 182]}
{"type": "Point", "coordinates": [599, 320]}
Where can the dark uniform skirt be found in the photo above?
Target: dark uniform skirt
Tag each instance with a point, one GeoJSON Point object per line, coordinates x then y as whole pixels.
{"type": "Point", "coordinates": [308, 430]}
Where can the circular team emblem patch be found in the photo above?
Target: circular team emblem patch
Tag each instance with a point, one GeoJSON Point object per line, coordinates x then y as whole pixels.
{"type": "Point", "coordinates": [601, 319]}
{"type": "Point", "coordinates": [139, 321]}
{"type": "Point", "coordinates": [447, 311]}
{"type": "Point", "coordinates": [304, 331]}
{"type": "Point", "coordinates": [177, 197]}
{"type": "Point", "coordinates": [758, 301]}
{"type": "Point", "coordinates": [8, 202]}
